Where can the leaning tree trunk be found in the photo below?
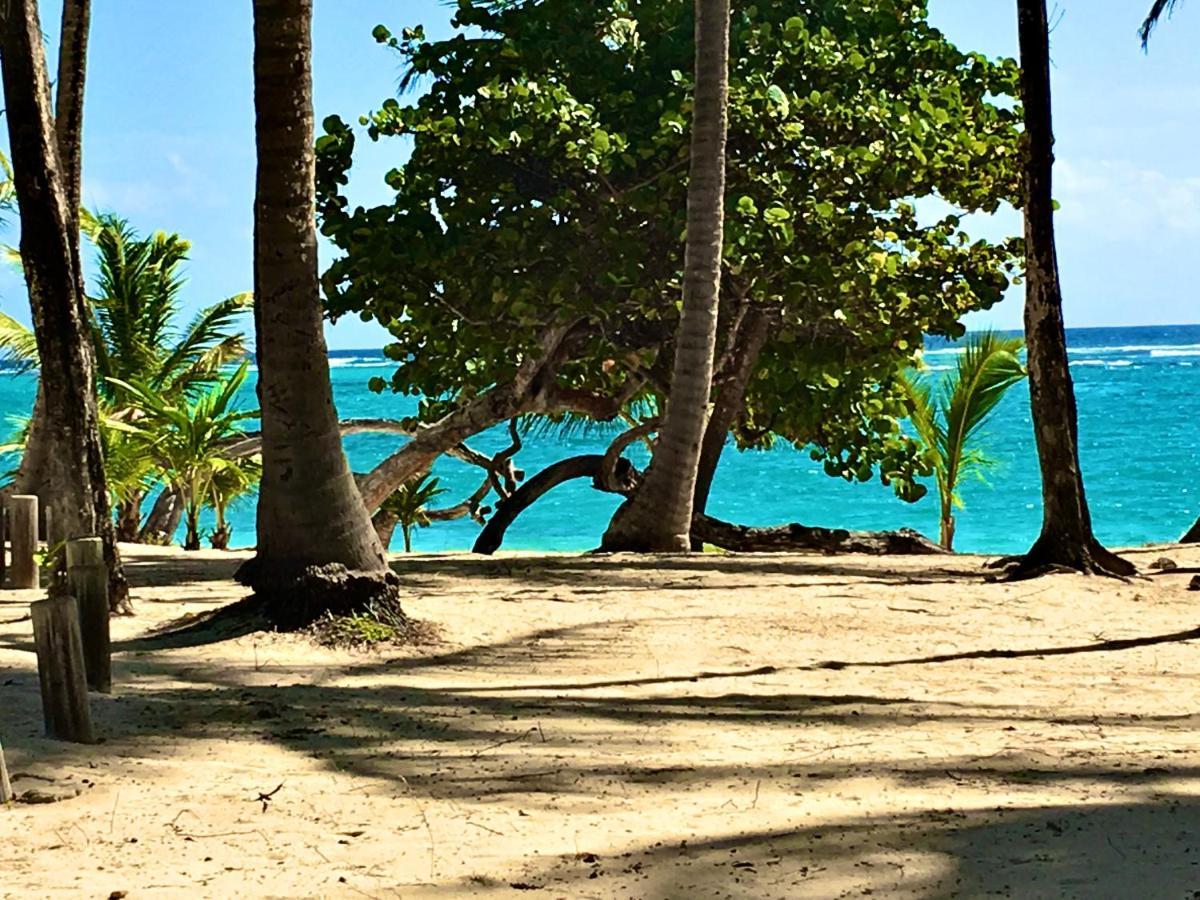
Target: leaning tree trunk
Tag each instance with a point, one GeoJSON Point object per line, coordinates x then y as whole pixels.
{"type": "Point", "coordinates": [659, 516]}
{"type": "Point", "coordinates": [1066, 538]}
{"type": "Point", "coordinates": [50, 258]}
{"type": "Point", "coordinates": [731, 400]}
{"type": "Point", "coordinates": [33, 475]}
{"type": "Point", "coordinates": [317, 551]}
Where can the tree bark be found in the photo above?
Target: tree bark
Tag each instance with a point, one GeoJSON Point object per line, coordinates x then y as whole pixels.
{"type": "Point", "coordinates": [164, 518]}
{"type": "Point", "coordinates": [658, 517]}
{"type": "Point", "coordinates": [317, 550]}
{"type": "Point", "coordinates": [731, 400]}
{"type": "Point", "coordinates": [1193, 534]}
{"type": "Point", "coordinates": [50, 257]}
{"type": "Point", "coordinates": [1066, 538]}
{"type": "Point", "coordinates": [33, 476]}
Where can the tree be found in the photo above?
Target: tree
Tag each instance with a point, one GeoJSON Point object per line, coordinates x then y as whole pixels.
{"type": "Point", "coordinates": [1066, 539]}
{"type": "Point", "coordinates": [188, 440]}
{"type": "Point", "coordinates": [317, 550]}
{"type": "Point", "coordinates": [659, 516]}
{"type": "Point", "coordinates": [50, 258]}
{"type": "Point", "coordinates": [948, 422]}
{"type": "Point", "coordinates": [136, 336]}
{"type": "Point", "coordinates": [531, 260]}
{"type": "Point", "coordinates": [408, 507]}
{"type": "Point", "coordinates": [33, 476]}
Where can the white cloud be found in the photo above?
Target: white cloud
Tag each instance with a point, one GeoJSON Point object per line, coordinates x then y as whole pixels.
{"type": "Point", "coordinates": [1119, 199]}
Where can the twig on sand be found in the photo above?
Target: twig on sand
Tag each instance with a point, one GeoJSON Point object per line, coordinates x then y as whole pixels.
{"type": "Point", "coordinates": [512, 740]}
{"type": "Point", "coordinates": [266, 798]}
{"type": "Point", "coordinates": [425, 820]}
{"type": "Point", "coordinates": [112, 818]}
{"type": "Point", "coordinates": [484, 827]}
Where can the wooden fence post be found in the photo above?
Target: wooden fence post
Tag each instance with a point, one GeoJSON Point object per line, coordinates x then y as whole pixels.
{"type": "Point", "coordinates": [3, 540]}
{"type": "Point", "coordinates": [60, 670]}
{"type": "Point", "coordinates": [6, 792]}
{"type": "Point", "coordinates": [87, 580]}
{"type": "Point", "coordinates": [23, 525]}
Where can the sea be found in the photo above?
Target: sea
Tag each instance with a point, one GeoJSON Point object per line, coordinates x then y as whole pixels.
{"type": "Point", "coordinates": [1140, 449]}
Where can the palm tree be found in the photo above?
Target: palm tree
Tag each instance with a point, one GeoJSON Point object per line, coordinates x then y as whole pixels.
{"type": "Point", "coordinates": [135, 332]}
{"type": "Point", "coordinates": [1066, 539]}
{"type": "Point", "coordinates": [188, 439]}
{"type": "Point", "coordinates": [948, 421]}
{"type": "Point", "coordinates": [313, 528]}
{"type": "Point", "coordinates": [408, 507]}
{"type": "Point", "coordinates": [1157, 11]}
{"type": "Point", "coordinates": [50, 257]}
{"type": "Point", "coordinates": [659, 516]}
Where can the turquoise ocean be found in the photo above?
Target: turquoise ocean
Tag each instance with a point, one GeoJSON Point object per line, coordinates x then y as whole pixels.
{"type": "Point", "coordinates": [1140, 450]}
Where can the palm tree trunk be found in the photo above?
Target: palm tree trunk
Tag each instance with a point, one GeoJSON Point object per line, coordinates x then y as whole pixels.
{"type": "Point", "coordinates": [312, 525]}
{"type": "Point", "coordinates": [1066, 538]}
{"type": "Point", "coordinates": [50, 257]}
{"type": "Point", "coordinates": [33, 476]}
{"type": "Point", "coordinates": [659, 516]}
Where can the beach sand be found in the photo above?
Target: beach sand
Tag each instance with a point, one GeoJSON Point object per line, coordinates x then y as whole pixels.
{"type": "Point", "coordinates": [629, 727]}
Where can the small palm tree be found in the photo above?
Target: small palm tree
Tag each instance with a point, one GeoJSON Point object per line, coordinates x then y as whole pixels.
{"type": "Point", "coordinates": [231, 480]}
{"type": "Point", "coordinates": [409, 506]}
{"type": "Point", "coordinates": [135, 332]}
{"type": "Point", "coordinates": [947, 417]}
{"type": "Point", "coordinates": [188, 438]}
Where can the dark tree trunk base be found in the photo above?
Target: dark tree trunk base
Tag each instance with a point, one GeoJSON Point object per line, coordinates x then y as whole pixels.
{"type": "Point", "coordinates": [795, 537]}
{"type": "Point", "coordinates": [1049, 557]}
{"type": "Point", "coordinates": [293, 601]}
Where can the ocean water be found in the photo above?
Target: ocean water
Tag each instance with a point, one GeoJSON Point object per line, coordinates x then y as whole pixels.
{"type": "Point", "coordinates": [1139, 446]}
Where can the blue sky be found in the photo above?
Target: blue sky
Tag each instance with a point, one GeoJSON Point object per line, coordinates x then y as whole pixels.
{"type": "Point", "coordinates": [169, 139]}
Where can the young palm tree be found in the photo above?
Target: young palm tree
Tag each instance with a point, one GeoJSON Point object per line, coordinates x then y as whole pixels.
{"type": "Point", "coordinates": [948, 416]}
{"type": "Point", "coordinates": [1066, 539]}
{"type": "Point", "coordinates": [188, 438]}
{"type": "Point", "coordinates": [136, 334]}
{"type": "Point", "coordinates": [659, 516]}
{"type": "Point", "coordinates": [317, 549]}
{"type": "Point", "coordinates": [408, 507]}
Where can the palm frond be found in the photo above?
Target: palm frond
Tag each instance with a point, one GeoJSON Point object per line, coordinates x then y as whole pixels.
{"type": "Point", "coordinates": [18, 345]}
{"type": "Point", "coordinates": [207, 344]}
{"type": "Point", "coordinates": [1157, 11]}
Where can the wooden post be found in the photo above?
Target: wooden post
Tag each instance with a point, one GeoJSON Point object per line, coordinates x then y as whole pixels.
{"type": "Point", "coordinates": [60, 670]}
{"type": "Point", "coordinates": [23, 525]}
{"type": "Point", "coordinates": [6, 793]}
{"type": "Point", "coordinates": [3, 540]}
{"type": "Point", "coordinates": [87, 580]}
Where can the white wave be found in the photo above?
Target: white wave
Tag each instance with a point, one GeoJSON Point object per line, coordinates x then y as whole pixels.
{"type": "Point", "coordinates": [1175, 351]}
{"type": "Point", "coordinates": [356, 362]}
{"type": "Point", "coordinates": [1106, 363]}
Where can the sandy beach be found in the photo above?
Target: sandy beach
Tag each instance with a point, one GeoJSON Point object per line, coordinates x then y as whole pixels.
{"type": "Point", "coordinates": [714, 726]}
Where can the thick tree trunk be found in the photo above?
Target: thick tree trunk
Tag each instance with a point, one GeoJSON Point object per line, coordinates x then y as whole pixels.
{"type": "Point", "coordinates": [317, 550]}
{"type": "Point", "coordinates": [1193, 534]}
{"type": "Point", "coordinates": [731, 400]}
{"type": "Point", "coordinates": [129, 517]}
{"type": "Point", "coordinates": [658, 517]}
{"type": "Point", "coordinates": [164, 518]}
{"type": "Point", "coordinates": [33, 476]}
{"type": "Point", "coordinates": [1066, 538]}
{"type": "Point", "coordinates": [50, 257]}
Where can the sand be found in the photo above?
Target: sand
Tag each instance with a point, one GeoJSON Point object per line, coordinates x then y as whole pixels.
{"type": "Point", "coordinates": [628, 727]}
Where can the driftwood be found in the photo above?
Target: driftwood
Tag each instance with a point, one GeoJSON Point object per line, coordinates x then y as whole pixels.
{"type": "Point", "coordinates": [736, 538]}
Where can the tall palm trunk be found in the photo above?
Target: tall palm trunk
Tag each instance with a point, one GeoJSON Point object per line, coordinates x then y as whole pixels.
{"type": "Point", "coordinates": [659, 516]}
{"type": "Point", "coordinates": [33, 476]}
{"type": "Point", "coordinates": [1066, 538]}
{"type": "Point", "coordinates": [50, 257]}
{"type": "Point", "coordinates": [310, 514]}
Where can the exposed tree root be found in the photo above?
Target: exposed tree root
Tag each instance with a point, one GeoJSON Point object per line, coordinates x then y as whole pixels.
{"type": "Point", "coordinates": [295, 600]}
{"type": "Point", "coordinates": [1050, 556]}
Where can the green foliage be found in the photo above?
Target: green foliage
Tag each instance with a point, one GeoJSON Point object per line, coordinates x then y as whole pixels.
{"type": "Point", "coordinates": [188, 438]}
{"type": "Point", "coordinates": [547, 183]}
{"type": "Point", "coordinates": [948, 415]}
{"type": "Point", "coordinates": [408, 504]}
